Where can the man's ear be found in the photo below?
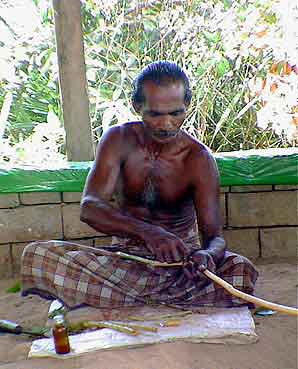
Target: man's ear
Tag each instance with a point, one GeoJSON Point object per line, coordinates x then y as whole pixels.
{"type": "Point", "coordinates": [187, 104]}
{"type": "Point", "coordinates": [137, 107]}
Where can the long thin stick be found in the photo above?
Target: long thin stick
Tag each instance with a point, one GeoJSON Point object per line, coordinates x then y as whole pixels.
{"type": "Point", "coordinates": [145, 261]}
{"type": "Point", "coordinates": [160, 317]}
{"type": "Point", "coordinates": [233, 291]}
{"type": "Point", "coordinates": [103, 324]}
{"type": "Point", "coordinates": [255, 300]}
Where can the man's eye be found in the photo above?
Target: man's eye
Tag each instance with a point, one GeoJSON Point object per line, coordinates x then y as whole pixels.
{"type": "Point", "coordinates": [153, 114]}
{"type": "Point", "coordinates": [176, 113]}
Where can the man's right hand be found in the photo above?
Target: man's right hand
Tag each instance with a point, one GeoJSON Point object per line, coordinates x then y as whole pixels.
{"type": "Point", "coordinates": [165, 246]}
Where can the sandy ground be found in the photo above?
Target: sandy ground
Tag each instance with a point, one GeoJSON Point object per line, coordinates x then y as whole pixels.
{"type": "Point", "coordinates": [276, 348]}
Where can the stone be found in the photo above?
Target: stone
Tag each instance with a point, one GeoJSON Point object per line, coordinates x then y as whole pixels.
{"type": "Point", "coordinates": [262, 209]}
{"type": "Point", "coordinates": [30, 223]}
{"type": "Point", "coordinates": [286, 187]}
{"type": "Point", "coordinates": [222, 200]}
{"type": "Point", "coordinates": [72, 226]}
{"type": "Point", "coordinates": [243, 241]}
{"type": "Point", "coordinates": [33, 198]}
{"type": "Point", "coordinates": [102, 241]}
{"type": "Point", "coordinates": [259, 188]}
{"type": "Point", "coordinates": [83, 241]}
{"type": "Point", "coordinates": [5, 261]}
{"type": "Point", "coordinates": [281, 242]}
{"type": "Point", "coordinates": [17, 251]}
{"type": "Point", "coordinates": [72, 196]}
{"type": "Point", "coordinates": [10, 200]}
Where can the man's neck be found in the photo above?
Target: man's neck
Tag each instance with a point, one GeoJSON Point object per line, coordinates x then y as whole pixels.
{"type": "Point", "coordinates": [156, 147]}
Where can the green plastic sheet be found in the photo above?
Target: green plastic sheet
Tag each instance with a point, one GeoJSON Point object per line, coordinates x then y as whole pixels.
{"type": "Point", "coordinates": [250, 167]}
{"type": "Point", "coordinates": [258, 167]}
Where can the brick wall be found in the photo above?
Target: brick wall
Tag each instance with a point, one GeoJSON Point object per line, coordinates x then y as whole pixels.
{"type": "Point", "coordinates": [259, 221]}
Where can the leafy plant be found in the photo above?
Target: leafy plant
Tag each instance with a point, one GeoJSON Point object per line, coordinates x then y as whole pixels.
{"type": "Point", "coordinates": [239, 55]}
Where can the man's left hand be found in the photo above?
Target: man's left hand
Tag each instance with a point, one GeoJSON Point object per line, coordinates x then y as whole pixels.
{"type": "Point", "coordinates": [198, 262]}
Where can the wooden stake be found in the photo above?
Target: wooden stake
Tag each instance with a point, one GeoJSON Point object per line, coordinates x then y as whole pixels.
{"type": "Point", "coordinates": [72, 79]}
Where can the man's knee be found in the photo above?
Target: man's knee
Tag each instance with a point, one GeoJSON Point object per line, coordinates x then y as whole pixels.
{"type": "Point", "coordinates": [240, 270]}
{"type": "Point", "coordinates": [37, 247]}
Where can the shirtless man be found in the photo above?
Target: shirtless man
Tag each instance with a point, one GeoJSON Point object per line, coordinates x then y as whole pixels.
{"type": "Point", "coordinates": [165, 183]}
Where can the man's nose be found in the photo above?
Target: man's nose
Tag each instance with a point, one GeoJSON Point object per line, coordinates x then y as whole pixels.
{"type": "Point", "coordinates": [166, 121]}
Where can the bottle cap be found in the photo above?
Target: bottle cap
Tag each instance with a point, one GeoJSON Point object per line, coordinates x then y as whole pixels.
{"type": "Point", "coordinates": [59, 318]}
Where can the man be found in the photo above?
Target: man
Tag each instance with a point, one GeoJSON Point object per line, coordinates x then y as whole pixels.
{"type": "Point", "coordinates": [164, 183]}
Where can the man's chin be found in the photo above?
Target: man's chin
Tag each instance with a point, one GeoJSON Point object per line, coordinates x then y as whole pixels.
{"type": "Point", "coordinates": [164, 139]}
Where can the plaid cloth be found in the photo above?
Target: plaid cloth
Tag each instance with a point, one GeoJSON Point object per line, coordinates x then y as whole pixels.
{"type": "Point", "coordinates": [77, 276]}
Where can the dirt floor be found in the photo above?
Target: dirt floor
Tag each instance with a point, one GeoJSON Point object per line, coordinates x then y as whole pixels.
{"type": "Point", "coordinates": [276, 348]}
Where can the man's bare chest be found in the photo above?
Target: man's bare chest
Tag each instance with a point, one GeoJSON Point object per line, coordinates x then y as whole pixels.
{"type": "Point", "coordinates": [151, 178]}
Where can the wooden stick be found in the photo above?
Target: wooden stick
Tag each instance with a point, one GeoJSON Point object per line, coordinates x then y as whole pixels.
{"type": "Point", "coordinates": [138, 327]}
{"type": "Point", "coordinates": [103, 324]}
{"type": "Point", "coordinates": [160, 317]}
{"type": "Point", "coordinates": [233, 291]}
{"type": "Point", "coordinates": [255, 300]}
{"type": "Point", "coordinates": [145, 261]}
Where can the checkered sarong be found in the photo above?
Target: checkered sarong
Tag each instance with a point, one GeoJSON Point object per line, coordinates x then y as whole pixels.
{"type": "Point", "coordinates": [78, 276]}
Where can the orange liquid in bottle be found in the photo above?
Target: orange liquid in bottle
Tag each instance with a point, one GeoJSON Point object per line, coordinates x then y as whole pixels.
{"type": "Point", "coordinates": [60, 335]}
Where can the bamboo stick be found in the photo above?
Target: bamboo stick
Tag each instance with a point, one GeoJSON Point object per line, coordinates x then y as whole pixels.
{"type": "Point", "coordinates": [255, 300]}
{"type": "Point", "coordinates": [170, 323]}
{"type": "Point", "coordinates": [153, 263]}
{"type": "Point", "coordinates": [138, 327]}
{"type": "Point", "coordinates": [160, 317]}
{"type": "Point", "coordinates": [103, 324]}
{"type": "Point", "coordinates": [233, 291]}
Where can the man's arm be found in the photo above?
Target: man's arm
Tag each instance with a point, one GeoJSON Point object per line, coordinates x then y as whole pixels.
{"type": "Point", "coordinates": [205, 181]}
{"type": "Point", "coordinates": [96, 209]}
{"type": "Point", "coordinates": [100, 215]}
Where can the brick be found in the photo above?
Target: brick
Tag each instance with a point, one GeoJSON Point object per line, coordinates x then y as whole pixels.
{"type": "Point", "coordinates": [102, 241]}
{"type": "Point", "coordinates": [224, 189]}
{"type": "Point", "coordinates": [5, 261]}
{"type": "Point", "coordinates": [243, 241]}
{"type": "Point", "coordinates": [10, 200]}
{"type": "Point", "coordinates": [33, 198]}
{"type": "Point", "coordinates": [72, 226]}
{"type": "Point", "coordinates": [29, 223]}
{"type": "Point", "coordinates": [17, 251]}
{"type": "Point", "coordinates": [223, 208]}
{"type": "Point", "coordinates": [286, 187]}
{"type": "Point", "coordinates": [83, 241]}
{"type": "Point", "coordinates": [260, 188]}
{"type": "Point", "coordinates": [280, 242]}
{"type": "Point", "coordinates": [262, 209]}
{"type": "Point", "coordinates": [72, 196]}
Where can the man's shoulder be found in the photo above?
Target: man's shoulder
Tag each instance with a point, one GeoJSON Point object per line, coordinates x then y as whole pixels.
{"type": "Point", "coordinates": [123, 131]}
{"type": "Point", "coordinates": [118, 140]}
{"type": "Point", "coordinates": [197, 147]}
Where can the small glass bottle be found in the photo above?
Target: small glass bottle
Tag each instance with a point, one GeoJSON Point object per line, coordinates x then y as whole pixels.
{"type": "Point", "coordinates": [60, 335]}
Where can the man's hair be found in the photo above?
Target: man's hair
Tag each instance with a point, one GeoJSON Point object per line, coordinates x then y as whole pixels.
{"type": "Point", "coordinates": [161, 73]}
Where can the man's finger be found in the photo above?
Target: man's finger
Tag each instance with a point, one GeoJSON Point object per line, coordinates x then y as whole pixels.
{"type": "Point", "coordinates": [175, 254]}
{"type": "Point", "coordinates": [167, 255]}
{"type": "Point", "coordinates": [183, 250]}
{"type": "Point", "coordinates": [202, 267]}
{"type": "Point", "coordinates": [188, 273]}
{"type": "Point", "coordinates": [159, 255]}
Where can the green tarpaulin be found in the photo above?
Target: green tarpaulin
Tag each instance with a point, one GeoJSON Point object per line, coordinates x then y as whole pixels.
{"type": "Point", "coordinates": [250, 167]}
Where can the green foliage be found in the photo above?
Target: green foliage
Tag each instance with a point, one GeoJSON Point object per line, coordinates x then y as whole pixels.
{"type": "Point", "coordinates": [32, 102]}
{"type": "Point", "coordinates": [218, 43]}
{"type": "Point", "coordinates": [15, 288]}
{"type": "Point", "coordinates": [207, 38]}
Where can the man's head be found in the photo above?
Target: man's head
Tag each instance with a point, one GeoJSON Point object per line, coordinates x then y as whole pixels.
{"type": "Point", "coordinates": [161, 73]}
{"type": "Point", "coordinates": [161, 95]}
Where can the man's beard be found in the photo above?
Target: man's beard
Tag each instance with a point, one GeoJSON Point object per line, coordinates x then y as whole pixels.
{"type": "Point", "coordinates": [162, 134]}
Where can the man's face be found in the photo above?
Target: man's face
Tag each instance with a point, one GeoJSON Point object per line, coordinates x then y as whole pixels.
{"type": "Point", "coordinates": [163, 110]}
